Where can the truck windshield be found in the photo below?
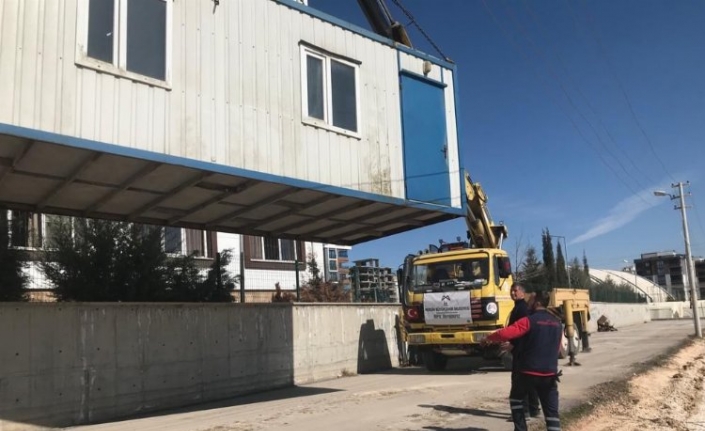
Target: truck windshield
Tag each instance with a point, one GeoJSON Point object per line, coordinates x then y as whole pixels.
{"type": "Point", "coordinates": [451, 275]}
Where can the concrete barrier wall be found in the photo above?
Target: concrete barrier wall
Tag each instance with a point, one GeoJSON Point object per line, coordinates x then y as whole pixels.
{"type": "Point", "coordinates": [334, 340]}
{"type": "Point", "coordinates": [620, 315]}
{"type": "Point", "coordinates": [674, 310]}
{"type": "Point", "coordinates": [67, 364]}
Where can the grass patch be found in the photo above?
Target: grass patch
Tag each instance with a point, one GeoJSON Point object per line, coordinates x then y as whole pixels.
{"type": "Point", "coordinates": [615, 390]}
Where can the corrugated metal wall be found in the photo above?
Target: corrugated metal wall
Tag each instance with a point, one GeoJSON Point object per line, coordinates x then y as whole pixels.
{"type": "Point", "coordinates": [235, 96]}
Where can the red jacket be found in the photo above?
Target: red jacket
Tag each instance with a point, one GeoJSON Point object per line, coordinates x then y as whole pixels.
{"type": "Point", "coordinates": [540, 347]}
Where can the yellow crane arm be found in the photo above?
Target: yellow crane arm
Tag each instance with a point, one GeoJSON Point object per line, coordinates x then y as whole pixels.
{"type": "Point", "coordinates": [482, 231]}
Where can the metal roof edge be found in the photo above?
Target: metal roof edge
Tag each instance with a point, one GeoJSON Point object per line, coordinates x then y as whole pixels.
{"type": "Point", "coordinates": [363, 32]}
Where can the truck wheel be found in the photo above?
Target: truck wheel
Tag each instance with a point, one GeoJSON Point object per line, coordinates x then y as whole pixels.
{"type": "Point", "coordinates": [434, 361]}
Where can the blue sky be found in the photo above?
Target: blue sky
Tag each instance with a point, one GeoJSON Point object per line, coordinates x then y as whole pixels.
{"type": "Point", "coordinates": [572, 114]}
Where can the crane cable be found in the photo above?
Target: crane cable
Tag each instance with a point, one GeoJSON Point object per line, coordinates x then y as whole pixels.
{"type": "Point", "coordinates": [421, 30]}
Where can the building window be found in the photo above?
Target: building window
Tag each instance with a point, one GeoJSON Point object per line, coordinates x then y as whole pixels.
{"type": "Point", "coordinates": [333, 265]}
{"type": "Point", "coordinates": [272, 253]}
{"type": "Point", "coordinates": [132, 36]}
{"type": "Point", "coordinates": [188, 242]}
{"type": "Point", "coordinates": [343, 253]}
{"type": "Point", "coordinates": [331, 253]}
{"type": "Point", "coordinates": [330, 90]}
{"type": "Point", "coordinates": [283, 250]}
{"type": "Point", "coordinates": [26, 229]}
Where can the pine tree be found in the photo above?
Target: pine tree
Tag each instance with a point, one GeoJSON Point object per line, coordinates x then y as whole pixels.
{"type": "Point", "coordinates": [12, 278]}
{"type": "Point", "coordinates": [578, 279]}
{"type": "Point", "coordinates": [586, 268]}
{"type": "Point", "coordinates": [531, 272]}
{"type": "Point", "coordinates": [100, 260]}
{"type": "Point", "coordinates": [549, 262]}
{"type": "Point", "coordinates": [561, 273]}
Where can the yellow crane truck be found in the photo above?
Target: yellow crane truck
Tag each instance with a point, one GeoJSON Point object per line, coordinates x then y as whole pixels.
{"type": "Point", "coordinates": [455, 294]}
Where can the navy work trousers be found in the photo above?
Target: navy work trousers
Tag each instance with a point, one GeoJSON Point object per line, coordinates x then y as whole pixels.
{"type": "Point", "coordinates": [547, 390]}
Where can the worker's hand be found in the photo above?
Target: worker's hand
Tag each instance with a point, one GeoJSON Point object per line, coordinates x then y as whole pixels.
{"type": "Point", "coordinates": [486, 342]}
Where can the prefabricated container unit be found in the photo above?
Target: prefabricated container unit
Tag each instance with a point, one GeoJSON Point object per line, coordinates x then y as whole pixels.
{"type": "Point", "coordinates": [268, 86]}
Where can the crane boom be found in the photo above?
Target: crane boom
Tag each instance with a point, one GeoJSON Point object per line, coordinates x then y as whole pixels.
{"type": "Point", "coordinates": [482, 231]}
{"type": "Point", "coordinates": [382, 22]}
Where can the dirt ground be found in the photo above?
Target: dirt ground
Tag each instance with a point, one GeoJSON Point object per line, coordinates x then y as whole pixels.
{"type": "Point", "coordinates": [667, 397]}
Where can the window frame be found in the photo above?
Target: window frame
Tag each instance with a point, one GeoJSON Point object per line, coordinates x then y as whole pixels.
{"type": "Point", "coordinates": [327, 122]}
{"type": "Point", "coordinates": [208, 252]}
{"type": "Point", "coordinates": [279, 244]}
{"type": "Point", "coordinates": [118, 67]}
{"type": "Point", "coordinates": [32, 237]}
{"type": "Point", "coordinates": [251, 262]}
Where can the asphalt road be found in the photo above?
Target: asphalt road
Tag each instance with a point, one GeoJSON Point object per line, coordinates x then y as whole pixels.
{"type": "Point", "coordinates": [468, 396]}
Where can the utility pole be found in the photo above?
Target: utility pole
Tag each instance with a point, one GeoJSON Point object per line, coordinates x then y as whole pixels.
{"type": "Point", "coordinates": [688, 257]}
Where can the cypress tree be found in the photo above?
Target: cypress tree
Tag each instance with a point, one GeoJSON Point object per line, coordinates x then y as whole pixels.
{"type": "Point", "coordinates": [561, 273]}
{"type": "Point", "coordinates": [549, 262]}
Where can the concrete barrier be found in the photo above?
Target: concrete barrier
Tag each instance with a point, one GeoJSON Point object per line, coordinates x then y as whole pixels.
{"type": "Point", "coordinates": [674, 310]}
{"type": "Point", "coordinates": [620, 315]}
{"type": "Point", "coordinates": [67, 364]}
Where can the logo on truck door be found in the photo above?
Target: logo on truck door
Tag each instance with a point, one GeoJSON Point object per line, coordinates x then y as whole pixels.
{"type": "Point", "coordinates": [447, 308]}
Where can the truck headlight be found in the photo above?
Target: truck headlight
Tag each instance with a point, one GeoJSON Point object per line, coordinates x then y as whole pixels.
{"type": "Point", "coordinates": [491, 308]}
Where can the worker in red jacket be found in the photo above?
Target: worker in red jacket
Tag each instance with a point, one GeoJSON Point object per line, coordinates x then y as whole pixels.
{"type": "Point", "coordinates": [538, 361]}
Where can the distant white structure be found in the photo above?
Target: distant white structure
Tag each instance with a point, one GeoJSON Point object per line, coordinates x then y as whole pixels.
{"type": "Point", "coordinates": [652, 291]}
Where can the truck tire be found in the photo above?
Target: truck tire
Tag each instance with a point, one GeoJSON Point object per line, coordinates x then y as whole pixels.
{"type": "Point", "coordinates": [434, 361]}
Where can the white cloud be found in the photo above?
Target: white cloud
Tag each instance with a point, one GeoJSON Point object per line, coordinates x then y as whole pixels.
{"type": "Point", "coordinates": [623, 213]}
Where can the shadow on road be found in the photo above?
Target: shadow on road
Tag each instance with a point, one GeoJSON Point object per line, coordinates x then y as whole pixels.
{"type": "Point", "coordinates": [467, 411]}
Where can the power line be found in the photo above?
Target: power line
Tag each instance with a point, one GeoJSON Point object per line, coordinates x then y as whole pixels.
{"type": "Point", "coordinates": [421, 30]}
{"type": "Point", "coordinates": [594, 32]}
{"type": "Point", "coordinates": [572, 121]}
{"type": "Point", "coordinates": [541, 56]}
{"type": "Point", "coordinates": [561, 62]}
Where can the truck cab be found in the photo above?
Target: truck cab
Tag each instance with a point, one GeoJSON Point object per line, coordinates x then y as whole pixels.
{"type": "Point", "coordinates": [452, 298]}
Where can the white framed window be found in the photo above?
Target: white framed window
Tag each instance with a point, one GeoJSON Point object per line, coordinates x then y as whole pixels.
{"type": "Point", "coordinates": [130, 38]}
{"type": "Point", "coordinates": [180, 241]}
{"type": "Point", "coordinates": [330, 91]}
{"type": "Point", "coordinates": [273, 249]}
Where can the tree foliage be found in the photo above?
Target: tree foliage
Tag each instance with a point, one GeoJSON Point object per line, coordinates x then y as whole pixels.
{"type": "Point", "coordinates": [609, 291]}
{"type": "Point", "coordinates": [531, 273]}
{"type": "Point", "coordinates": [317, 290]}
{"type": "Point", "coordinates": [578, 279]}
{"type": "Point", "coordinates": [100, 260]}
{"type": "Point", "coordinates": [561, 272]}
{"type": "Point", "coordinates": [549, 261]}
{"type": "Point", "coordinates": [12, 277]}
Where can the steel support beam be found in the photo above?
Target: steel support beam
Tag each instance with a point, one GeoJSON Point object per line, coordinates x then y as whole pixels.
{"type": "Point", "coordinates": [215, 199]}
{"type": "Point", "coordinates": [352, 206]}
{"type": "Point", "coordinates": [147, 169]}
{"type": "Point", "coordinates": [68, 180]}
{"type": "Point", "coordinates": [267, 201]}
{"type": "Point", "coordinates": [275, 217]}
{"type": "Point", "coordinates": [372, 227]}
{"type": "Point", "coordinates": [18, 158]}
{"type": "Point", "coordinates": [176, 190]}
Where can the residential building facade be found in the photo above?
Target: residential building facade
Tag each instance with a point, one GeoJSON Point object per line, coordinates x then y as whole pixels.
{"type": "Point", "coordinates": [669, 270]}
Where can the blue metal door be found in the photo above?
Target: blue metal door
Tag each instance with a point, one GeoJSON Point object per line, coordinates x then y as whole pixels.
{"type": "Point", "coordinates": [425, 143]}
